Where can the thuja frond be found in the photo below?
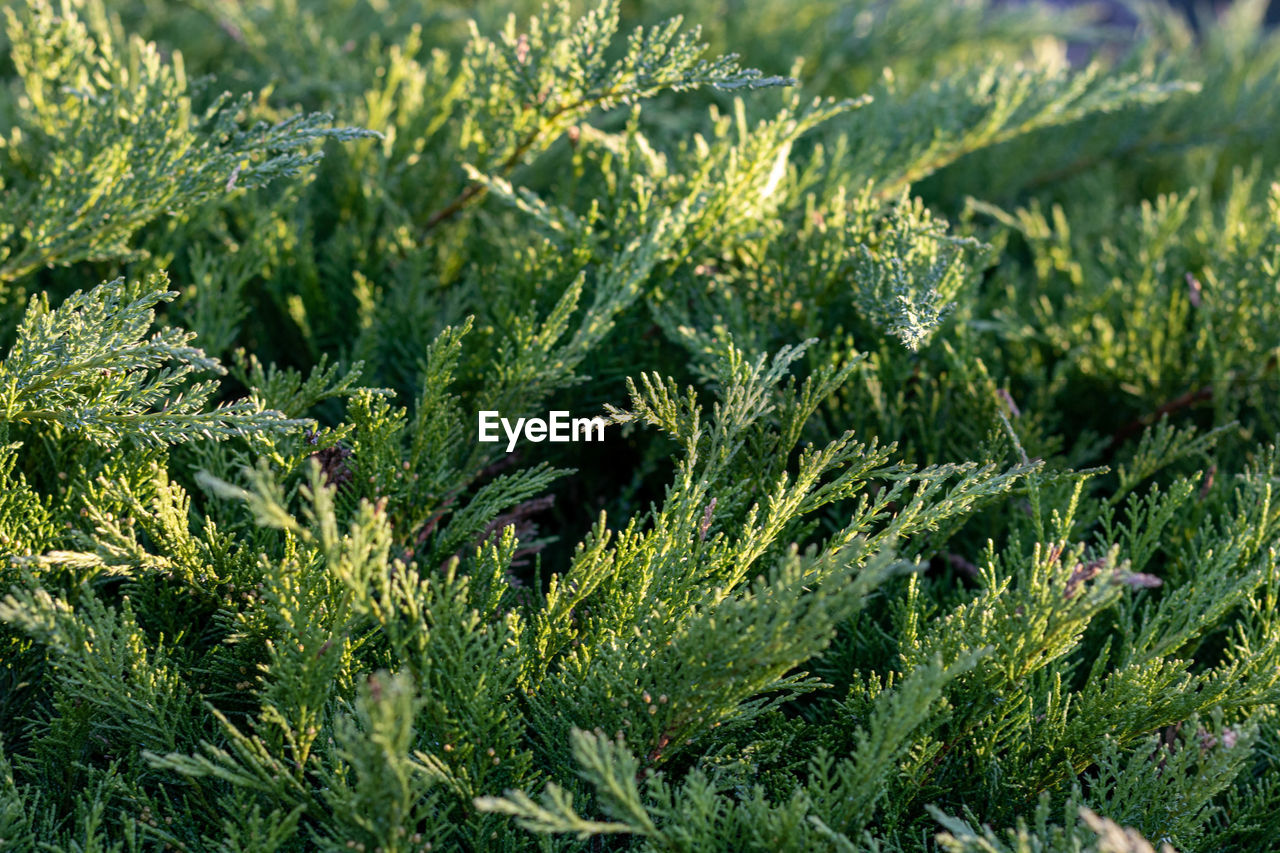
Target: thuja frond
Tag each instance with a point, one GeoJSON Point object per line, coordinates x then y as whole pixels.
{"type": "Point", "coordinates": [905, 136]}
{"type": "Point", "coordinates": [607, 765]}
{"type": "Point", "coordinates": [108, 139]}
{"type": "Point", "coordinates": [538, 83]}
{"type": "Point", "coordinates": [128, 692]}
{"type": "Point", "coordinates": [1091, 832]}
{"type": "Point", "coordinates": [905, 279]}
{"type": "Point", "coordinates": [88, 367]}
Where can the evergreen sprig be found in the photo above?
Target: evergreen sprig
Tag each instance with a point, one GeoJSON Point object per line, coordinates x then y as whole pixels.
{"type": "Point", "coordinates": [109, 137]}
{"type": "Point", "coordinates": [89, 367]}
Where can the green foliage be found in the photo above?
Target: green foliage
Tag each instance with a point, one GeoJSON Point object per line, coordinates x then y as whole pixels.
{"type": "Point", "coordinates": [106, 138]}
{"type": "Point", "coordinates": [935, 508]}
{"type": "Point", "coordinates": [88, 369]}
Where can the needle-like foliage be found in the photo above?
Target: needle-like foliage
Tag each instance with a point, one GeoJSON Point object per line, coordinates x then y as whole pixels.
{"type": "Point", "coordinates": [935, 507]}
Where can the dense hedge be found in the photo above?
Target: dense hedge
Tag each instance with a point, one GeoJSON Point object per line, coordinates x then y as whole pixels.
{"type": "Point", "coordinates": [935, 509]}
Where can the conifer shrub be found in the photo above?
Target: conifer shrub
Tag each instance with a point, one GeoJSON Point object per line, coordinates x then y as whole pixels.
{"type": "Point", "coordinates": [938, 348]}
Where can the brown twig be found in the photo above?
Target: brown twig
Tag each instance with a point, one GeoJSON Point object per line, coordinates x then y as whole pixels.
{"type": "Point", "coordinates": [474, 190]}
{"type": "Point", "coordinates": [1136, 425]}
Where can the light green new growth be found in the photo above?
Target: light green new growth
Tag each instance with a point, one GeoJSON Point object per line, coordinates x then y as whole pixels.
{"type": "Point", "coordinates": [90, 368]}
{"type": "Point", "coordinates": [107, 138]}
